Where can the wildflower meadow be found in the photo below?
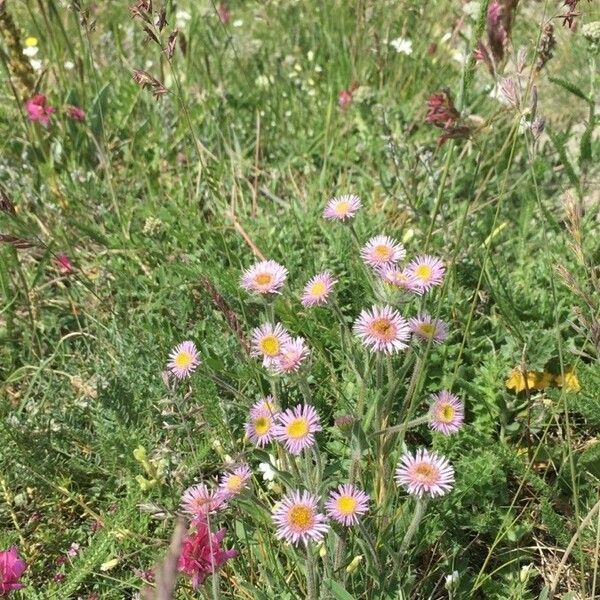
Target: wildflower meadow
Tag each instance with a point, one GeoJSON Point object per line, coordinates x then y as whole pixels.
{"type": "Point", "coordinates": [300, 300]}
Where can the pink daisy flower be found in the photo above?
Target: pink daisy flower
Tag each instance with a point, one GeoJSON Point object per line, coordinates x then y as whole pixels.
{"type": "Point", "coordinates": [382, 329]}
{"type": "Point", "coordinates": [447, 413]}
{"type": "Point", "coordinates": [424, 473]}
{"type": "Point", "coordinates": [400, 278]}
{"type": "Point", "coordinates": [346, 504]}
{"type": "Point", "coordinates": [183, 360]}
{"type": "Point", "coordinates": [296, 428]}
{"type": "Point", "coordinates": [427, 270]}
{"type": "Point", "coordinates": [341, 208]}
{"type": "Point", "coordinates": [268, 341]}
{"type": "Point", "coordinates": [382, 251]}
{"type": "Point", "coordinates": [234, 482]}
{"type": "Point", "coordinates": [298, 519]}
{"type": "Point", "coordinates": [425, 328]}
{"type": "Point", "coordinates": [199, 500]}
{"type": "Point", "coordinates": [265, 277]}
{"type": "Point", "coordinates": [266, 404]}
{"type": "Point", "coordinates": [317, 290]}
{"type": "Point", "coordinates": [260, 427]}
{"type": "Point", "coordinates": [292, 355]}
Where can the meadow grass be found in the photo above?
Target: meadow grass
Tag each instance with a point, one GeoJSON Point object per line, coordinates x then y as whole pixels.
{"type": "Point", "coordinates": [160, 204]}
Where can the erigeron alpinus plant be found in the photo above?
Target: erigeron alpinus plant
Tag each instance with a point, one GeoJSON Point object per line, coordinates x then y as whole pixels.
{"type": "Point", "coordinates": [373, 496]}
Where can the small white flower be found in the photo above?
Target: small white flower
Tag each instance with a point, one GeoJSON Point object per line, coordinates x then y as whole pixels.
{"type": "Point", "coordinates": [182, 17]}
{"type": "Point", "coordinates": [452, 581]}
{"type": "Point", "coordinates": [268, 474]}
{"type": "Point", "coordinates": [69, 65]}
{"type": "Point", "coordinates": [36, 64]}
{"type": "Point", "coordinates": [30, 51]}
{"type": "Point", "coordinates": [238, 23]}
{"type": "Point", "coordinates": [402, 46]}
{"type": "Point", "coordinates": [262, 81]}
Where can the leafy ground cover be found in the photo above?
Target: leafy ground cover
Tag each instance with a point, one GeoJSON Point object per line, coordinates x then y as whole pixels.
{"type": "Point", "coordinates": [150, 157]}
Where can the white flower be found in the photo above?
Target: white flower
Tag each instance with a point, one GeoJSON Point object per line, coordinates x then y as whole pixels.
{"type": "Point", "coordinates": [238, 23]}
{"type": "Point", "coordinates": [267, 468]}
{"type": "Point", "coordinates": [262, 81]}
{"type": "Point", "coordinates": [402, 46]}
{"type": "Point", "coordinates": [182, 17]}
{"type": "Point", "coordinates": [36, 64]}
{"type": "Point", "coordinates": [69, 65]}
{"type": "Point", "coordinates": [30, 51]}
{"type": "Point", "coordinates": [452, 581]}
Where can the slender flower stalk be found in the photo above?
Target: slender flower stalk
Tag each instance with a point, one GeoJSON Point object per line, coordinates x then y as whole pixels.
{"type": "Point", "coordinates": [420, 508]}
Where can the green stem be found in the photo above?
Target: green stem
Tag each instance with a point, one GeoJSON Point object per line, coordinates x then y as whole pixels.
{"type": "Point", "coordinates": [311, 576]}
{"type": "Point", "coordinates": [418, 515]}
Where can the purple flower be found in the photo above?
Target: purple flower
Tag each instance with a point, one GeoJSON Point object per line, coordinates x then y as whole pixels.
{"type": "Point", "coordinates": [11, 570]}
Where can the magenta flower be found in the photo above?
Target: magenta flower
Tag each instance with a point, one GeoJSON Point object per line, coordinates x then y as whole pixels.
{"type": "Point", "coordinates": [38, 109]}
{"type": "Point", "coordinates": [11, 570]}
{"type": "Point", "coordinates": [296, 428]}
{"type": "Point", "coordinates": [341, 208]}
{"type": "Point", "coordinates": [64, 264]}
{"type": "Point", "coordinates": [382, 251]}
{"type": "Point", "coordinates": [224, 13]}
{"type": "Point", "coordinates": [183, 360]}
{"type": "Point", "coordinates": [382, 329]}
{"type": "Point", "coordinates": [424, 473]}
{"type": "Point", "coordinates": [344, 99]}
{"type": "Point", "coordinates": [75, 113]}
{"type": "Point", "coordinates": [447, 413]}
{"type": "Point", "coordinates": [234, 482]}
{"type": "Point", "coordinates": [426, 328]}
{"type": "Point", "coordinates": [265, 277]}
{"type": "Point", "coordinates": [298, 519]}
{"type": "Point", "coordinates": [199, 500]}
{"type": "Point", "coordinates": [427, 270]}
{"type": "Point", "coordinates": [268, 341]}
{"type": "Point", "coordinates": [202, 554]}
{"type": "Point", "coordinates": [292, 355]}
{"type": "Point", "coordinates": [318, 289]}
{"type": "Point", "coordinates": [346, 504]}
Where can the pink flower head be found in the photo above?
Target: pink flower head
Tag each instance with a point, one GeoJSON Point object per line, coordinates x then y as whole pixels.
{"type": "Point", "coordinates": [64, 264]}
{"type": "Point", "coordinates": [75, 112]}
{"type": "Point", "coordinates": [318, 289]}
{"type": "Point", "coordinates": [341, 208]}
{"type": "Point", "coordinates": [38, 109]}
{"type": "Point", "coordinates": [265, 277]}
{"type": "Point", "coordinates": [447, 413]}
{"type": "Point", "coordinates": [74, 550]}
{"type": "Point", "coordinates": [235, 481]}
{"type": "Point", "coordinates": [296, 428]}
{"type": "Point", "coordinates": [426, 328]}
{"type": "Point", "coordinates": [298, 519]}
{"type": "Point", "coordinates": [346, 504]}
{"type": "Point", "coordinates": [427, 270]}
{"type": "Point", "coordinates": [266, 404]}
{"type": "Point", "coordinates": [224, 13]}
{"type": "Point", "coordinates": [260, 426]}
{"type": "Point", "coordinates": [382, 251]}
{"type": "Point", "coordinates": [11, 570]}
{"type": "Point", "coordinates": [424, 473]}
{"type": "Point", "coordinates": [268, 341]}
{"type": "Point", "coordinates": [345, 99]}
{"type": "Point", "coordinates": [293, 354]}
{"type": "Point", "coordinates": [401, 279]}
{"type": "Point", "coordinates": [202, 554]}
{"type": "Point", "coordinates": [382, 329]}
{"type": "Point", "coordinates": [183, 360]}
{"type": "Point", "coordinates": [198, 501]}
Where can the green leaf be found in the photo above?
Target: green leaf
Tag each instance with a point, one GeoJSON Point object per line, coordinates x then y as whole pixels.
{"type": "Point", "coordinates": [564, 159]}
{"type": "Point", "coordinates": [571, 88]}
{"type": "Point", "coordinates": [544, 593]}
{"type": "Point", "coordinates": [339, 591]}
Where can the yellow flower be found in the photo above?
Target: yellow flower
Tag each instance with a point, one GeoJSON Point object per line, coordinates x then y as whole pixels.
{"type": "Point", "coordinates": [531, 380]}
{"type": "Point", "coordinates": [569, 380]}
{"type": "Point", "coordinates": [31, 42]}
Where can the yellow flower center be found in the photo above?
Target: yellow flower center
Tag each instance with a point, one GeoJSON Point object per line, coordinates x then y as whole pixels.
{"type": "Point", "coordinates": [234, 483]}
{"type": "Point", "coordinates": [423, 272]}
{"type": "Point", "coordinates": [263, 279]}
{"type": "Point", "coordinates": [298, 428]}
{"type": "Point", "coordinates": [318, 288]}
{"type": "Point", "coordinates": [346, 505]}
{"type": "Point", "coordinates": [425, 473]}
{"type": "Point", "coordinates": [384, 328]}
{"type": "Point", "coordinates": [31, 42]}
{"type": "Point", "coordinates": [446, 413]}
{"type": "Point", "coordinates": [341, 208]}
{"type": "Point", "coordinates": [382, 252]}
{"type": "Point", "coordinates": [269, 345]}
{"type": "Point", "coordinates": [262, 425]}
{"type": "Point", "coordinates": [301, 517]}
{"type": "Point", "coordinates": [427, 328]}
{"type": "Point", "coordinates": [183, 360]}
